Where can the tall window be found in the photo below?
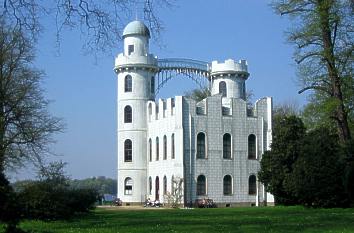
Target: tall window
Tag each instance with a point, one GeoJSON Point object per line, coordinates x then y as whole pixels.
{"type": "Point", "coordinates": [173, 146]}
{"type": "Point", "coordinates": [128, 114]}
{"type": "Point", "coordinates": [201, 146]}
{"type": "Point", "coordinates": [164, 185]}
{"type": "Point", "coordinates": [130, 49]}
{"type": "Point", "coordinates": [172, 184]}
{"type": "Point", "coordinates": [226, 152]}
{"type": "Point", "coordinates": [157, 188]}
{"type": "Point", "coordinates": [152, 84]}
{"type": "Point", "coordinates": [157, 112]}
{"type": "Point", "coordinates": [164, 147]}
{"type": "Point", "coordinates": [150, 150]}
{"type": "Point", "coordinates": [128, 186]}
{"type": "Point", "coordinates": [150, 111]}
{"type": "Point", "coordinates": [201, 185]}
{"type": "Point", "coordinates": [227, 185]}
{"type": "Point", "coordinates": [157, 148]}
{"type": "Point", "coordinates": [128, 150]}
{"type": "Point", "coordinates": [251, 146]}
{"type": "Point", "coordinates": [252, 185]}
{"type": "Point", "coordinates": [222, 89]}
{"type": "Point", "coordinates": [150, 185]}
{"type": "Point", "coordinates": [128, 83]}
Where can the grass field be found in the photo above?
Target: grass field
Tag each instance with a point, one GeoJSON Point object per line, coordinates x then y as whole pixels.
{"type": "Point", "coordinates": [268, 219]}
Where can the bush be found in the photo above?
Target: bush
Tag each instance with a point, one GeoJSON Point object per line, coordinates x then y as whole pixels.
{"type": "Point", "coordinates": [43, 200]}
{"type": "Point", "coordinates": [10, 212]}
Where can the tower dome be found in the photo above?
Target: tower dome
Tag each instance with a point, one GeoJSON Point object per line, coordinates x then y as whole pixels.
{"type": "Point", "coordinates": [136, 28]}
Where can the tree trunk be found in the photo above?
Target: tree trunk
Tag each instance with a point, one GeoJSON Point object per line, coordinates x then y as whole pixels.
{"type": "Point", "coordinates": [340, 115]}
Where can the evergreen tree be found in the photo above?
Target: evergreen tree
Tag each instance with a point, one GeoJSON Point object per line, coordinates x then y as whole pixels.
{"type": "Point", "coordinates": [277, 164]}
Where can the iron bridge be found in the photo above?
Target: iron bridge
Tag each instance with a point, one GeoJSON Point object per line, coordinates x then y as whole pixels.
{"type": "Point", "coordinates": [198, 71]}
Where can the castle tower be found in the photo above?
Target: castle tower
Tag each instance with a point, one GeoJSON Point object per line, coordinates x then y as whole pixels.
{"type": "Point", "coordinates": [229, 78]}
{"type": "Point", "coordinates": [136, 69]}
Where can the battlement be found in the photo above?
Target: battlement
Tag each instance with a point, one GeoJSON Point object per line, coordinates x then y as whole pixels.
{"type": "Point", "coordinates": [232, 107]}
{"type": "Point", "coordinates": [229, 66]}
{"type": "Point", "coordinates": [163, 108]}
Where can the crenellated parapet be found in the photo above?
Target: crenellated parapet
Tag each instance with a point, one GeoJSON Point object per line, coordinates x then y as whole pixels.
{"type": "Point", "coordinates": [162, 108]}
{"type": "Point", "coordinates": [229, 67]}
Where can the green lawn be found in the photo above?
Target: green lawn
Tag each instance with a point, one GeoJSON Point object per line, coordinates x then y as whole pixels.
{"type": "Point", "coordinates": [268, 219]}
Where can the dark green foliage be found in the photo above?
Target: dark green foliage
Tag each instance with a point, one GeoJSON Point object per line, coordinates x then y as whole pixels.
{"type": "Point", "coordinates": [45, 200]}
{"type": "Point", "coordinates": [310, 168]}
{"type": "Point", "coordinates": [317, 177]}
{"type": "Point", "coordinates": [52, 198]}
{"type": "Point", "coordinates": [10, 213]}
{"type": "Point", "coordinates": [276, 165]}
{"type": "Point", "coordinates": [349, 170]}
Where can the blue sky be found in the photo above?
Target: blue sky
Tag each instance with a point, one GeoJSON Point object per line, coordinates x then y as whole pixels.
{"type": "Point", "coordinates": [84, 92]}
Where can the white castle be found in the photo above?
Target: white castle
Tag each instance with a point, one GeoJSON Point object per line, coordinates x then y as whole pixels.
{"type": "Point", "coordinates": [213, 146]}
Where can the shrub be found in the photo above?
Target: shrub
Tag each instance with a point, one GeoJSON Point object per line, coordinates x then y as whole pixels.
{"type": "Point", "coordinates": [43, 200]}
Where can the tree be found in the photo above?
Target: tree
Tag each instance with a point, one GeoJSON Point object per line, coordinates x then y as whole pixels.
{"type": "Point", "coordinates": [51, 197]}
{"type": "Point", "coordinates": [277, 164]}
{"type": "Point", "coordinates": [288, 108]}
{"type": "Point", "coordinates": [317, 177]}
{"type": "Point", "coordinates": [26, 127]}
{"type": "Point", "coordinates": [198, 94]}
{"type": "Point", "coordinates": [100, 22]}
{"type": "Point", "coordinates": [102, 185]}
{"type": "Point", "coordinates": [324, 53]}
{"type": "Point", "coordinates": [174, 198]}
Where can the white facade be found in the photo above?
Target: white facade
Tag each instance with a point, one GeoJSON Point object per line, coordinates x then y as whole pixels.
{"type": "Point", "coordinates": [214, 145]}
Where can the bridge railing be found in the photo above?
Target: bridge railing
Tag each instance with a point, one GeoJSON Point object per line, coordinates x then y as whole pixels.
{"type": "Point", "coordinates": [183, 63]}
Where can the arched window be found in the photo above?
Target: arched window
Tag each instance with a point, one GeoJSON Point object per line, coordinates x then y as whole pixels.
{"type": "Point", "coordinates": [201, 185]}
{"type": "Point", "coordinates": [172, 185]}
{"type": "Point", "coordinates": [150, 111]}
{"type": "Point", "coordinates": [128, 147]}
{"type": "Point", "coordinates": [252, 185]}
{"type": "Point", "coordinates": [152, 84]}
{"type": "Point", "coordinates": [128, 83]}
{"type": "Point", "coordinates": [157, 148]}
{"type": "Point", "coordinates": [150, 150]}
{"type": "Point", "coordinates": [150, 185]}
{"type": "Point", "coordinates": [164, 185]}
{"type": "Point", "coordinates": [128, 114]}
{"type": "Point", "coordinates": [128, 186]}
{"type": "Point", "coordinates": [227, 185]}
{"type": "Point", "coordinates": [201, 146]}
{"type": "Point", "coordinates": [251, 146]}
{"type": "Point", "coordinates": [164, 147]}
{"type": "Point", "coordinates": [157, 111]}
{"type": "Point", "coordinates": [157, 188]}
{"type": "Point", "coordinates": [173, 146]}
{"type": "Point", "coordinates": [226, 152]}
{"type": "Point", "coordinates": [222, 88]}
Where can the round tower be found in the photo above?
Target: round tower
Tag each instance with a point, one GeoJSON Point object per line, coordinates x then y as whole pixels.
{"type": "Point", "coordinates": [136, 70]}
{"type": "Point", "coordinates": [229, 78]}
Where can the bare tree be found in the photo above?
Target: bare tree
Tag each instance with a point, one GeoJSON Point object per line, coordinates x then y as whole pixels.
{"type": "Point", "coordinates": [26, 127]}
{"type": "Point", "coordinates": [174, 198]}
{"type": "Point", "coordinates": [101, 22]}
